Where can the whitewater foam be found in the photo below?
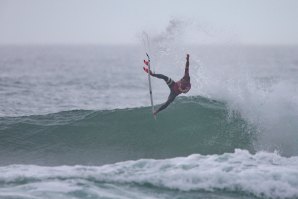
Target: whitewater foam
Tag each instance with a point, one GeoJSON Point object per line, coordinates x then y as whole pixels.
{"type": "Point", "coordinates": [262, 174]}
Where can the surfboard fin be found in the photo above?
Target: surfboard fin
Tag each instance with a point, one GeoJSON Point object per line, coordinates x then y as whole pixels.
{"type": "Point", "coordinates": [147, 70]}
{"type": "Point", "coordinates": [146, 62]}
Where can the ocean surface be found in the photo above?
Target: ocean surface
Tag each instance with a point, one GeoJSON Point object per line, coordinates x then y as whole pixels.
{"type": "Point", "coordinates": [76, 122]}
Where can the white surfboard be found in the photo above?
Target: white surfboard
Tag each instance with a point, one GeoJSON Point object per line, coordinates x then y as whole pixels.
{"type": "Point", "coordinates": [150, 86]}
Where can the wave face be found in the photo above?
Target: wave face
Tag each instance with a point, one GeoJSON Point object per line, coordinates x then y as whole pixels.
{"type": "Point", "coordinates": [230, 175]}
{"type": "Point", "coordinates": [190, 125]}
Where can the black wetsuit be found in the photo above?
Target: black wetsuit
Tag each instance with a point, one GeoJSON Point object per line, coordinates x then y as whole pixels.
{"type": "Point", "coordinates": [176, 88]}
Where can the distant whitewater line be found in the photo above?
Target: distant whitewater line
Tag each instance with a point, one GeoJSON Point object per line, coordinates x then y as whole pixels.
{"type": "Point", "coordinates": [230, 175]}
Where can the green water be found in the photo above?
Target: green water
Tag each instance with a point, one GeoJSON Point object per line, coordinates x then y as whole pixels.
{"type": "Point", "coordinates": [190, 125]}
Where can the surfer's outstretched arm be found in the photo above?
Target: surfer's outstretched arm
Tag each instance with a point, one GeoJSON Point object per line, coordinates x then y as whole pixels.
{"type": "Point", "coordinates": [171, 98]}
{"type": "Point", "coordinates": [186, 73]}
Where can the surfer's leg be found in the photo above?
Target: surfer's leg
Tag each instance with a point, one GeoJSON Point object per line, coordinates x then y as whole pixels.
{"type": "Point", "coordinates": [171, 98]}
{"type": "Point", "coordinates": [168, 80]}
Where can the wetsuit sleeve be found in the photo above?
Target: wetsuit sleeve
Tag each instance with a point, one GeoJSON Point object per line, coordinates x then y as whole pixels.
{"type": "Point", "coordinates": [186, 73]}
{"type": "Point", "coordinates": [166, 104]}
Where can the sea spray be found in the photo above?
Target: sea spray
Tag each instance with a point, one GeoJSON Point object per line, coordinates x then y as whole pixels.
{"type": "Point", "coordinates": [256, 82]}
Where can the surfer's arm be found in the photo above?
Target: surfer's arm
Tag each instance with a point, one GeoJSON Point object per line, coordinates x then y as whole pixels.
{"type": "Point", "coordinates": [186, 73]}
{"type": "Point", "coordinates": [166, 104]}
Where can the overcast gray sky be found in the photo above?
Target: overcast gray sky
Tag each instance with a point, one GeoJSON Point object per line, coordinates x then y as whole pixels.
{"type": "Point", "coordinates": [121, 21]}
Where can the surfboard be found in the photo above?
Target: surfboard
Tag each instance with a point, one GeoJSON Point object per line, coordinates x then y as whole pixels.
{"type": "Point", "coordinates": [150, 86]}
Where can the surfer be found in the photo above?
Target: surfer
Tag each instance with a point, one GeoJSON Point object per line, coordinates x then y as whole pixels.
{"type": "Point", "coordinates": [176, 88]}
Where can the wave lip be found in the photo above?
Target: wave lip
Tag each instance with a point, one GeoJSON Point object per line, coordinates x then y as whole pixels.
{"type": "Point", "coordinates": [261, 175]}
